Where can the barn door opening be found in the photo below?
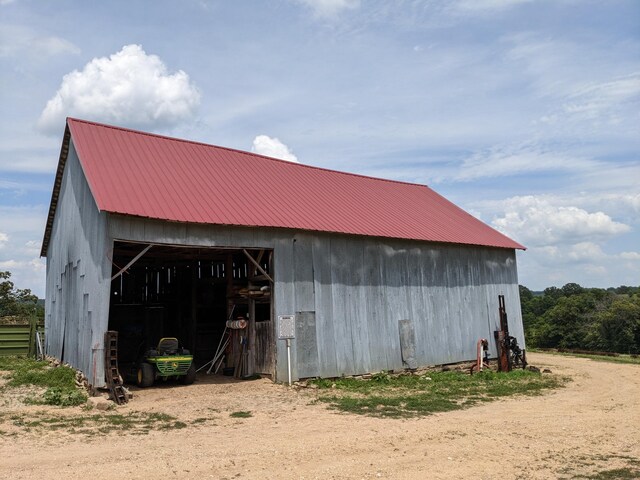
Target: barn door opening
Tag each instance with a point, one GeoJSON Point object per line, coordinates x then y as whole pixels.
{"type": "Point", "coordinates": [190, 293]}
{"type": "Point", "coordinates": [261, 329]}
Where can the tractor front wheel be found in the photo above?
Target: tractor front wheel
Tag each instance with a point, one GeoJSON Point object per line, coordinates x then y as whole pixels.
{"type": "Point", "coordinates": [146, 375]}
{"type": "Point", "coordinates": [190, 377]}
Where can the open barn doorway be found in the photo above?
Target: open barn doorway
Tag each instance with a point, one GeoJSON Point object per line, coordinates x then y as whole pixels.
{"type": "Point", "coordinates": [190, 293]}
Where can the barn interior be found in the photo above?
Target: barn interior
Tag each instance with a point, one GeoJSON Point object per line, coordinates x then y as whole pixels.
{"type": "Point", "coordinates": [190, 293]}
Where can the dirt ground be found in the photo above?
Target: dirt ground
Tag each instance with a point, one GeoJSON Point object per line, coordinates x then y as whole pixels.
{"type": "Point", "coordinates": [591, 425]}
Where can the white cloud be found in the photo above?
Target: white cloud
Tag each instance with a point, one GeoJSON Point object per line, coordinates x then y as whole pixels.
{"type": "Point", "coordinates": [27, 161]}
{"type": "Point", "coordinates": [585, 263]}
{"type": "Point", "coordinates": [32, 247]}
{"type": "Point", "coordinates": [512, 160]}
{"type": "Point", "coordinates": [577, 98]}
{"type": "Point", "coordinates": [4, 239]}
{"type": "Point", "coordinates": [128, 88]}
{"type": "Point", "coordinates": [28, 273]}
{"type": "Point", "coordinates": [6, 2]}
{"type": "Point", "coordinates": [485, 6]}
{"type": "Point", "coordinates": [8, 265]}
{"type": "Point", "coordinates": [16, 41]}
{"type": "Point", "coordinates": [537, 222]}
{"type": "Point", "coordinates": [579, 253]}
{"type": "Point", "coordinates": [585, 251]}
{"type": "Point", "coordinates": [272, 147]}
{"type": "Point", "coordinates": [597, 107]}
{"type": "Point", "coordinates": [606, 102]}
{"type": "Point", "coordinates": [330, 8]}
{"type": "Point", "coordinates": [630, 256]}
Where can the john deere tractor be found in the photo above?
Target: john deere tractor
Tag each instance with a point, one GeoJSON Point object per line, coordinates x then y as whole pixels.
{"type": "Point", "coordinates": [166, 361]}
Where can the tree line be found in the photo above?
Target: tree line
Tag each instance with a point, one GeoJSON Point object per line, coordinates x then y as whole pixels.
{"type": "Point", "coordinates": [575, 317]}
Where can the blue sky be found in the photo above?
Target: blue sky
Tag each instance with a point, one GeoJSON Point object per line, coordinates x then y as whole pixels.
{"type": "Point", "coordinates": [525, 113]}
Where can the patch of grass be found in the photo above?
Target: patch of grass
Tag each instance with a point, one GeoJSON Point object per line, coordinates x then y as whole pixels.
{"type": "Point", "coordinates": [156, 417]}
{"type": "Point", "coordinates": [137, 423]}
{"type": "Point", "coordinates": [616, 474]}
{"type": "Point", "coordinates": [627, 359]}
{"type": "Point", "coordinates": [202, 420]}
{"type": "Point", "coordinates": [417, 395]}
{"type": "Point", "coordinates": [599, 467]}
{"type": "Point", "coordinates": [241, 414]}
{"type": "Point", "coordinates": [64, 397]}
{"type": "Point", "coordinates": [59, 382]}
{"type": "Point", "coordinates": [30, 374]}
{"type": "Point", "coordinates": [12, 363]}
{"type": "Point", "coordinates": [174, 426]}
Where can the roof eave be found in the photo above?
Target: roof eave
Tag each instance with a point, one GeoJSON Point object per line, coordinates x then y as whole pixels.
{"type": "Point", "coordinates": [64, 152]}
{"type": "Point", "coordinates": [512, 246]}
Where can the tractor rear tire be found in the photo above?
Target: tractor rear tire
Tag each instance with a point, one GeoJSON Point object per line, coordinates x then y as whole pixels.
{"type": "Point", "coordinates": [146, 375]}
{"type": "Point", "coordinates": [190, 377]}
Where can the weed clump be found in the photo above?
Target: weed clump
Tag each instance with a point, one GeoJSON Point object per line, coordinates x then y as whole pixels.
{"type": "Point", "coordinates": [241, 414]}
{"type": "Point", "coordinates": [64, 397]}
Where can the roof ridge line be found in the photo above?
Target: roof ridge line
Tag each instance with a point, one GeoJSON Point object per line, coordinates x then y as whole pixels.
{"type": "Point", "coordinates": [195, 142]}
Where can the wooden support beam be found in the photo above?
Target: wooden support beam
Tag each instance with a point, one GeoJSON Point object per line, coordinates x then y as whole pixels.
{"type": "Point", "coordinates": [135, 259]}
{"type": "Point", "coordinates": [194, 308]}
{"type": "Point", "coordinates": [251, 333]}
{"type": "Point", "coordinates": [257, 265]}
{"type": "Point", "coordinates": [228, 274]}
{"type": "Point", "coordinates": [253, 269]}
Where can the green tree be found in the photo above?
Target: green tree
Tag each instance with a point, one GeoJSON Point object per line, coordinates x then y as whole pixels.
{"type": "Point", "coordinates": [572, 289]}
{"type": "Point", "coordinates": [618, 326]}
{"type": "Point", "coordinates": [585, 318]}
{"type": "Point", "coordinates": [566, 325]}
{"type": "Point", "coordinates": [17, 301]}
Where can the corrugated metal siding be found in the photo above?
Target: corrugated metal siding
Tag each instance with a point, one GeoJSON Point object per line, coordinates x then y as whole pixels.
{"type": "Point", "coordinates": [151, 176]}
{"type": "Point", "coordinates": [362, 289]}
{"type": "Point", "coordinates": [351, 292]}
{"type": "Point", "coordinates": [78, 277]}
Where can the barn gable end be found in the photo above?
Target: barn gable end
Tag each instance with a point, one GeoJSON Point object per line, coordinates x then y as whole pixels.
{"type": "Point", "coordinates": [78, 272]}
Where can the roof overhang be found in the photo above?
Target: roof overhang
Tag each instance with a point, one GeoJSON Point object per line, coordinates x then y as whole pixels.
{"type": "Point", "coordinates": [62, 160]}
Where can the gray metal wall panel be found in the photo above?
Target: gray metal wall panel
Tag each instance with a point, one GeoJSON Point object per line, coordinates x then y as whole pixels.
{"type": "Point", "coordinates": [449, 292]}
{"type": "Point", "coordinates": [325, 332]}
{"type": "Point", "coordinates": [373, 309]}
{"type": "Point", "coordinates": [341, 265]}
{"type": "Point", "coordinates": [306, 333]}
{"type": "Point", "coordinates": [78, 276]}
{"type": "Point", "coordinates": [356, 313]}
{"type": "Point", "coordinates": [360, 288]}
{"type": "Point", "coordinates": [284, 296]}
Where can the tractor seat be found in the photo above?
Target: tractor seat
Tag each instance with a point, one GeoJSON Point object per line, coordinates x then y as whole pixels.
{"type": "Point", "coordinates": [168, 346]}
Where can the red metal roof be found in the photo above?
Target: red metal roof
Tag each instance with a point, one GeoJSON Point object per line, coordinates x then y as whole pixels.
{"type": "Point", "coordinates": [146, 175]}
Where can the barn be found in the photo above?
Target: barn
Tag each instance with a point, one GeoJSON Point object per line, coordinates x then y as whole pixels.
{"type": "Point", "coordinates": [155, 236]}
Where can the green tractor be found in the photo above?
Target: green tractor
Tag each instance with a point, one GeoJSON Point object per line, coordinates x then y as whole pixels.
{"type": "Point", "coordinates": [166, 361]}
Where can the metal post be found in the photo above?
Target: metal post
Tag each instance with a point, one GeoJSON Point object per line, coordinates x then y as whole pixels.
{"type": "Point", "coordinates": [289, 359]}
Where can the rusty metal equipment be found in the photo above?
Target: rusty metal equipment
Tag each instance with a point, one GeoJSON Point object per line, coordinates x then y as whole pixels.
{"type": "Point", "coordinates": [510, 354]}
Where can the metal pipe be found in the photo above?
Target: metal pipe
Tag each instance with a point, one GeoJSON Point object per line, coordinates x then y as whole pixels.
{"type": "Point", "coordinates": [289, 359]}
